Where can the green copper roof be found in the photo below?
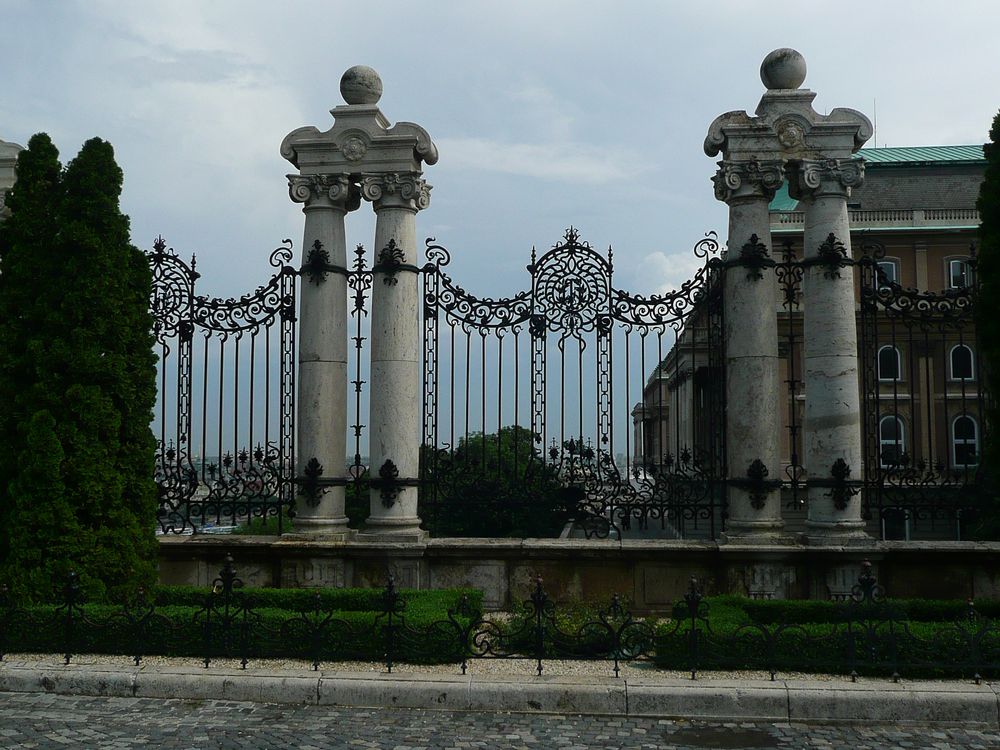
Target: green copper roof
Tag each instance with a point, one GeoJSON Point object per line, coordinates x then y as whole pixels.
{"type": "Point", "coordinates": [897, 156]}
{"type": "Point", "coordinates": [923, 154]}
{"type": "Point", "coordinates": [782, 201]}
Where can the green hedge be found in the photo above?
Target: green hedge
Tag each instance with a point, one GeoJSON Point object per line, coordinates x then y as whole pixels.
{"type": "Point", "coordinates": [911, 637]}
{"type": "Point", "coordinates": [436, 602]}
{"type": "Point", "coordinates": [278, 623]}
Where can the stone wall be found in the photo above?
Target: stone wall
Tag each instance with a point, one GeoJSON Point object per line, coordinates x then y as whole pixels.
{"type": "Point", "coordinates": [651, 574]}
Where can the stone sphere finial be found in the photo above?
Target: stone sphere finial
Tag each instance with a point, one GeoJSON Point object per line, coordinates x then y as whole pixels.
{"type": "Point", "coordinates": [361, 85]}
{"type": "Point", "coordinates": [784, 68]}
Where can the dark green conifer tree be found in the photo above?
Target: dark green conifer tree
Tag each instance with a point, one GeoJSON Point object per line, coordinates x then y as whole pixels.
{"type": "Point", "coordinates": [30, 227]}
{"type": "Point", "coordinates": [91, 371]}
{"type": "Point", "coordinates": [988, 317]}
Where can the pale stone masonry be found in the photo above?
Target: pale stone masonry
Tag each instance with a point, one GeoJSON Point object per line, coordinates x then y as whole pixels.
{"type": "Point", "coordinates": [788, 139]}
{"type": "Point", "coordinates": [360, 156]}
{"type": "Point", "coordinates": [8, 160]}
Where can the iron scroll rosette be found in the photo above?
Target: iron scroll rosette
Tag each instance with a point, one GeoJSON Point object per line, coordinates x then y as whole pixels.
{"type": "Point", "coordinates": [832, 255]}
{"type": "Point", "coordinates": [842, 487]}
{"type": "Point", "coordinates": [390, 262]}
{"type": "Point", "coordinates": [390, 484]}
{"type": "Point", "coordinates": [317, 264]}
{"type": "Point", "coordinates": [756, 484]}
{"type": "Point", "coordinates": [753, 257]}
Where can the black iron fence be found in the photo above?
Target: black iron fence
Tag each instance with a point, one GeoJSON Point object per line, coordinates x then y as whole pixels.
{"type": "Point", "coordinates": [226, 398]}
{"type": "Point", "coordinates": [574, 401]}
{"type": "Point", "coordinates": [923, 401]}
{"type": "Point", "coordinates": [866, 634]}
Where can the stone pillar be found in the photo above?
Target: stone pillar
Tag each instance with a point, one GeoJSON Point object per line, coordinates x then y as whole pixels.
{"type": "Point", "coordinates": [816, 151]}
{"type": "Point", "coordinates": [362, 146]}
{"type": "Point", "coordinates": [831, 428]}
{"type": "Point", "coordinates": [8, 161]}
{"type": "Point", "coordinates": [396, 381]}
{"type": "Point", "coordinates": [321, 420]}
{"type": "Point", "coordinates": [753, 428]}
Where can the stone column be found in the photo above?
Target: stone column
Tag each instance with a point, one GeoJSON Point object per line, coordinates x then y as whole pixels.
{"type": "Point", "coordinates": [362, 146]}
{"type": "Point", "coordinates": [321, 418]}
{"type": "Point", "coordinates": [831, 429]}
{"type": "Point", "coordinates": [753, 428]}
{"type": "Point", "coordinates": [396, 381]}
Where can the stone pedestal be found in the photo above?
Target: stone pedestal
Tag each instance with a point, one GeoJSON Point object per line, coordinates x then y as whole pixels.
{"type": "Point", "coordinates": [831, 428]}
{"type": "Point", "coordinates": [321, 418]}
{"type": "Point", "coordinates": [396, 380]}
{"type": "Point", "coordinates": [751, 335]}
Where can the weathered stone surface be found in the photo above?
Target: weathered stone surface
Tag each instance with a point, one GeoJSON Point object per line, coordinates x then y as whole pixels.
{"type": "Point", "coordinates": [394, 690]}
{"type": "Point", "coordinates": [715, 699]}
{"type": "Point", "coordinates": [563, 695]}
{"type": "Point", "coordinates": [888, 703]}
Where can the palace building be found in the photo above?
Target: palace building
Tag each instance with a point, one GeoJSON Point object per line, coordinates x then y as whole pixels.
{"type": "Point", "coordinates": [914, 219]}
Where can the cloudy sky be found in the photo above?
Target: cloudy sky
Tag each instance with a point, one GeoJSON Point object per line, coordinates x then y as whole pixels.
{"type": "Point", "coordinates": [545, 114]}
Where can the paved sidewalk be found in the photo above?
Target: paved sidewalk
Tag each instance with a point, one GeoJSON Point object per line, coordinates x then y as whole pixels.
{"type": "Point", "coordinates": [33, 720]}
{"type": "Point", "coordinates": [872, 702]}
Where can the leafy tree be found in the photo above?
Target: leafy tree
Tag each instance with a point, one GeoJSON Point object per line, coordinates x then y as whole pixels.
{"type": "Point", "coordinates": [494, 485]}
{"type": "Point", "coordinates": [77, 372]}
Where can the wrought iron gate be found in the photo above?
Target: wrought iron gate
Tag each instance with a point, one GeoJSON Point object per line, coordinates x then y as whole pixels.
{"type": "Point", "coordinates": [226, 409]}
{"type": "Point", "coordinates": [526, 399]}
{"type": "Point", "coordinates": [922, 403]}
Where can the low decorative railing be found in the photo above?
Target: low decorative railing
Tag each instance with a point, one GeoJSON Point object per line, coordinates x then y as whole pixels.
{"type": "Point", "coordinates": [867, 635]}
{"type": "Point", "coordinates": [914, 217]}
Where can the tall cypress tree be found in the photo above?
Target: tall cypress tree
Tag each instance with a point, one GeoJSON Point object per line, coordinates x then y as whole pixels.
{"type": "Point", "coordinates": [24, 267]}
{"type": "Point", "coordinates": [88, 394]}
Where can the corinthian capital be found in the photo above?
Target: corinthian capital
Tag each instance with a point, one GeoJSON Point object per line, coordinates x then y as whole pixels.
{"type": "Point", "coordinates": [748, 179]}
{"type": "Point", "coordinates": [811, 177]}
{"type": "Point", "coordinates": [397, 190]}
{"type": "Point", "coordinates": [336, 188]}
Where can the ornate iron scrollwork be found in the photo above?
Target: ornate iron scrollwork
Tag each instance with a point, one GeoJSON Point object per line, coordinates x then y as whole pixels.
{"type": "Point", "coordinates": [389, 484]}
{"type": "Point", "coordinates": [224, 489]}
{"type": "Point", "coordinates": [317, 264]}
{"type": "Point", "coordinates": [754, 257]}
{"type": "Point", "coordinates": [573, 304]}
{"type": "Point", "coordinates": [389, 487]}
{"type": "Point", "coordinates": [310, 484]}
{"type": "Point", "coordinates": [867, 590]}
{"type": "Point", "coordinates": [841, 489]}
{"type": "Point", "coordinates": [390, 262]}
{"type": "Point", "coordinates": [757, 474]}
{"type": "Point", "coordinates": [833, 255]}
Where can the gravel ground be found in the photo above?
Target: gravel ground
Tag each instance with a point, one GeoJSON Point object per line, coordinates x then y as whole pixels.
{"type": "Point", "coordinates": [478, 667]}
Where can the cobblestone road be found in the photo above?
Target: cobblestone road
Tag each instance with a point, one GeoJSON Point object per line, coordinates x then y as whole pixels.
{"type": "Point", "coordinates": [50, 721]}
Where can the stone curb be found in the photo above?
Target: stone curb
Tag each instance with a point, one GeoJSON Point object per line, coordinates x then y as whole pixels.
{"type": "Point", "coordinates": [868, 702]}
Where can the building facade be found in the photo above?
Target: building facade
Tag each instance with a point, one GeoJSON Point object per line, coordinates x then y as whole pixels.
{"type": "Point", "coordinates": [914, 220]}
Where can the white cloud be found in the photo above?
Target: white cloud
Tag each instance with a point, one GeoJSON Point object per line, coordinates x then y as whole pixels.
{"type": "Point", "coordinates": [558, 161]}
{"type": "Point", "coordinates": [662, 273]}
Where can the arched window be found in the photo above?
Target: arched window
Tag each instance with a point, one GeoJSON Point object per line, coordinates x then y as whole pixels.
{"type": "Point", "coordinates": [961, 363]}
{"type": "Point", "coordinates": [964, 441]}
{"type": "Point", "coordinates": [892, 441]}
{"type": "Point", "coordinates": [959, 273]}
{"type": "Point", "coordinates": [890, 271]}
{"type": "Point", "coordinates": [888, 363]}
